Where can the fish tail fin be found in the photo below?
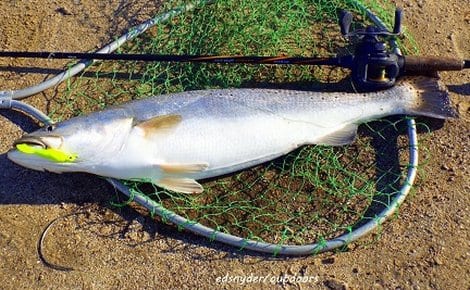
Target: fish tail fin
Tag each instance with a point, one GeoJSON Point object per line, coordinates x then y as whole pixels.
{"type": "Point", "coordinates": [432, 100]}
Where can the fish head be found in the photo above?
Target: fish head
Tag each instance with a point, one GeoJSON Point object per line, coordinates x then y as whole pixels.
{"type": "Point", "coordinates": [69, 146]}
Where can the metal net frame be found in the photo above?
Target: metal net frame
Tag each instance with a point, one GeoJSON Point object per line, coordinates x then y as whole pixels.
{"type": "Point", "coordinates": [10, 100]}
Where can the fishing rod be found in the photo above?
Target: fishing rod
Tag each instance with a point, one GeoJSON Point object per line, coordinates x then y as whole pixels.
{"type": "Point", "coordinates": [373, 66]}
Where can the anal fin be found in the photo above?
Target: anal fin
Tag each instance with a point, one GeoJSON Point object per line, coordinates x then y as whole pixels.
{"type": "Point", "coordinates": [183, 185]}
{"type": "Point", "coordinates": [344, 136]}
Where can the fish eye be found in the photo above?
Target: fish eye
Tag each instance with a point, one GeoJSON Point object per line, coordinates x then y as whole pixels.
{"type": "Point", "coordinates": [50, 128]}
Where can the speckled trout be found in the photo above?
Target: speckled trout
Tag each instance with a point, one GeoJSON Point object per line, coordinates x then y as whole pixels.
{"type": "Point", "coordinates": [174, 140]}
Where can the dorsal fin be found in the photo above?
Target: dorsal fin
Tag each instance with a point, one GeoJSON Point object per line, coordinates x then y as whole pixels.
{"type": "Point", "coordinates": [159, 124]}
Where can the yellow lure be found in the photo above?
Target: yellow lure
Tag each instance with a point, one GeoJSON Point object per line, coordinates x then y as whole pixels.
{"type": "Point", "coordinates": [47, 153]}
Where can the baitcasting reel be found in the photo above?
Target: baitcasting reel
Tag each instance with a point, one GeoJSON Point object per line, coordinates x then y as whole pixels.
{"type": "Point", "coordinates": [373, 66]}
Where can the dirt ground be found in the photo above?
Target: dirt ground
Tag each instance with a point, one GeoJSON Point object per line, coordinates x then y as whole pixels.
{"type": "Point", "coordinates": [426, 247]}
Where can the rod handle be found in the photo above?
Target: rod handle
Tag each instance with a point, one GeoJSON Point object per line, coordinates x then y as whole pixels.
{"type": "Point", "coordinates": [424, 64]}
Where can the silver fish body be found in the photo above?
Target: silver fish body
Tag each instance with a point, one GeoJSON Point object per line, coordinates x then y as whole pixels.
{"type": "Point", "coordinates": [175, 139]}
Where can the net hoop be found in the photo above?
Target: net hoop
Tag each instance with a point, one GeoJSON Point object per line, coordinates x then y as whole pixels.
{"type": "Point", "coordinates": [8, 100]}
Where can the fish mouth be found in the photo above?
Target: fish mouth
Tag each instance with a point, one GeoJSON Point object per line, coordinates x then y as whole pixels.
{"type": "Point", "coordinates": [30, 140]}
{"type": "Point", "coordinates": [41, 153]}
{"type": "Point", "coordinates": [38, 141]}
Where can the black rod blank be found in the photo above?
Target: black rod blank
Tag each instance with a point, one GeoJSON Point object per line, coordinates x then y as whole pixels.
{"type": "Point", "coordinates": [176, 58]}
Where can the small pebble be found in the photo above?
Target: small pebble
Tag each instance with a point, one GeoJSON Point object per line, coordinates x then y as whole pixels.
{"type": "Point", "coordinates": [328, 260]}
{"type": "Point", "coordinates": [334, 284]}
{"type": "Point", "coordinates": [63, 11]}
{"type": "Point", "coordinates": [438, 261]}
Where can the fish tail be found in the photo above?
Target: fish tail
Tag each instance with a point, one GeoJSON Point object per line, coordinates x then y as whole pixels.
{"type": "Point", "coordinates": [431, 98]}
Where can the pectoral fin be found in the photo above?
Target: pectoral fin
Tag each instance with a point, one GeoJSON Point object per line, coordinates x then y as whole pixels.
{"type": "Point", "coordinates": [159, 124]}
{"type": "Point", "coordinates": [183, 185]}
{"type": "Point", "coordinates": [343, 136]}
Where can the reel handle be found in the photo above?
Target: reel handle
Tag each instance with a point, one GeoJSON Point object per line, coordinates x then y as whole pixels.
{"type": "Point", "coordinates": [398, 21]}
{"type": "Point", "coordinates": [345, 20]}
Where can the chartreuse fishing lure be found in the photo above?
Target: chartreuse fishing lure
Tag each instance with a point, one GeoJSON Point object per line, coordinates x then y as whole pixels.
{"type": "Point", "coordinates": [47, 153]}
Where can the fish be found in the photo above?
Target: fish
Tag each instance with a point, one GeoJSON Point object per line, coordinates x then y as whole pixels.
{"type": "Point", "coordinates": [175, 140]}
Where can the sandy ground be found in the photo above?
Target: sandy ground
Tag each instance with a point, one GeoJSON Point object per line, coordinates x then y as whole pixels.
{"type": "Point", "coordinates": [426, 247]}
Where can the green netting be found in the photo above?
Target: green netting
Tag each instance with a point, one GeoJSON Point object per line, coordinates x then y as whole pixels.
{"type": "Point", "coordinates": [312, 194]}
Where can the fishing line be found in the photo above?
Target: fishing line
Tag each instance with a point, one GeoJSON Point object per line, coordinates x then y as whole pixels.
{"type": "Point", "coordinates": [40, 244]}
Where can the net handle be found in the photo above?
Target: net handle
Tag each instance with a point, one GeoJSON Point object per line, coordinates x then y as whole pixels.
{"type": "Point", "coordinates": [111, 47]}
